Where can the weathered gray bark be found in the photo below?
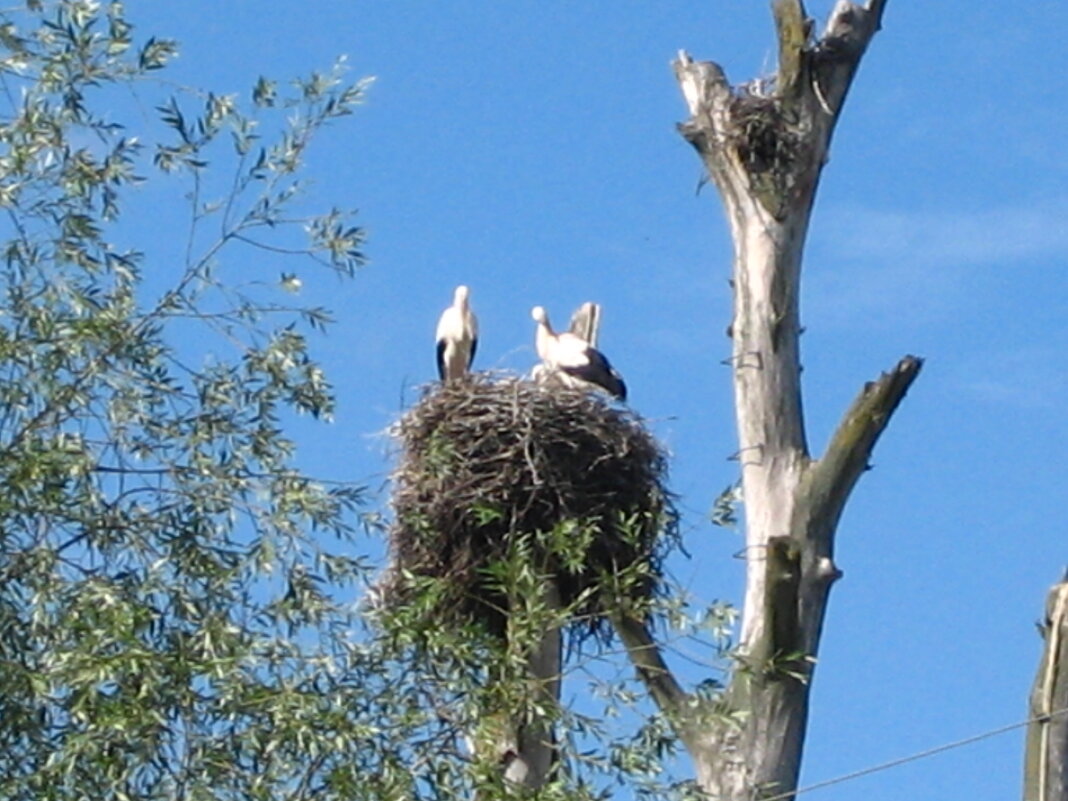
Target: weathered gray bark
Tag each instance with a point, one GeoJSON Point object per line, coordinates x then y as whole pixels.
{"type": "Point", "coordinates": [519, 737]}
{"type": "Point", "coordinates": [764, 145]}
{"type": "Point", "coordinates": [1046, 760]}
{"type": "Point", "coordinates": [535, 742]}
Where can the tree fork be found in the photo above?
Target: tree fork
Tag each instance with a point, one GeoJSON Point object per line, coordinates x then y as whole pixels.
{"type": "Point", "coordinates": [764, 144]}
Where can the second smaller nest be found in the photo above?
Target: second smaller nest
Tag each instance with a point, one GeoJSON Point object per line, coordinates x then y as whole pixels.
{"type": "Point", "coordinates": [487, 465]}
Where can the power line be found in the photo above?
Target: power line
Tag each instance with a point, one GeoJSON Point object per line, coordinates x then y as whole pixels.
{"type": "Point", "coordinates": [893, 763]}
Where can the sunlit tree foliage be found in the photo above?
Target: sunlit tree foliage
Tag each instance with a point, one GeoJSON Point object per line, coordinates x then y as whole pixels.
{"type": "Point", "coordinates": [165, 625]}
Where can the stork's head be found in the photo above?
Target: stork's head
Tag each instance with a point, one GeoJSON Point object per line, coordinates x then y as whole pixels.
{"type": "Point", "coordinates": [539, 316]}
{"type": "Point", "coordinates": [460, 298]}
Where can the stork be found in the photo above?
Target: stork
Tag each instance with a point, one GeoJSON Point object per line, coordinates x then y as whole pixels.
{"type": "Point", "coordinates": [457, 337]}
{"type": "Point", "coordinates": [573, 359]}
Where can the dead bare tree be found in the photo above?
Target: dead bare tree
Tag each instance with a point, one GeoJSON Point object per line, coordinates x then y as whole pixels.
{"type": "Point", "coordinates": [1046, 760]}
{"type": "Point", "coordinates": [764, 144]}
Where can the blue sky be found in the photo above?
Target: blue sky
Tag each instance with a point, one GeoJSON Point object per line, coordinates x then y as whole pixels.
{"type": "Point", "coordinates": [528, 150]}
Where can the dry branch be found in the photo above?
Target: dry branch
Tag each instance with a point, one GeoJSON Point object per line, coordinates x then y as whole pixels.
{"type": "Point", "coordinates": [831, 479]}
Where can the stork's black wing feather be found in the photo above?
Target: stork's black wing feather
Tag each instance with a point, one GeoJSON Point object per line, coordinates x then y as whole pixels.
{"type": "Point", "coordinates": [599, 371]}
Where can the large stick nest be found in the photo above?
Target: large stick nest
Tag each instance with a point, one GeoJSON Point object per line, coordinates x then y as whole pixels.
{"type": "Point", "coordinates": [489, 463]}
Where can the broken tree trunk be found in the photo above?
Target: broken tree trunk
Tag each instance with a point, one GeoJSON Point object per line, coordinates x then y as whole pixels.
{"type": "Point", "coordinates": [1046, 759]}
{"type": "Point", "coordinates": [764, 144]}
{"type": "Point", "coordinates": [516, 737]}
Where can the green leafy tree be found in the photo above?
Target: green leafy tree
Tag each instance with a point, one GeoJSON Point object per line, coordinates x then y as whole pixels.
{"type": "Point", "coordinates": [173, 615]}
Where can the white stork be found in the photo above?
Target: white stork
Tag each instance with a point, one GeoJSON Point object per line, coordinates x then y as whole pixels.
{"type": "Point", "coordinates": [457, 337]}
{"type": "Point", "coordinates": [573, 359]}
